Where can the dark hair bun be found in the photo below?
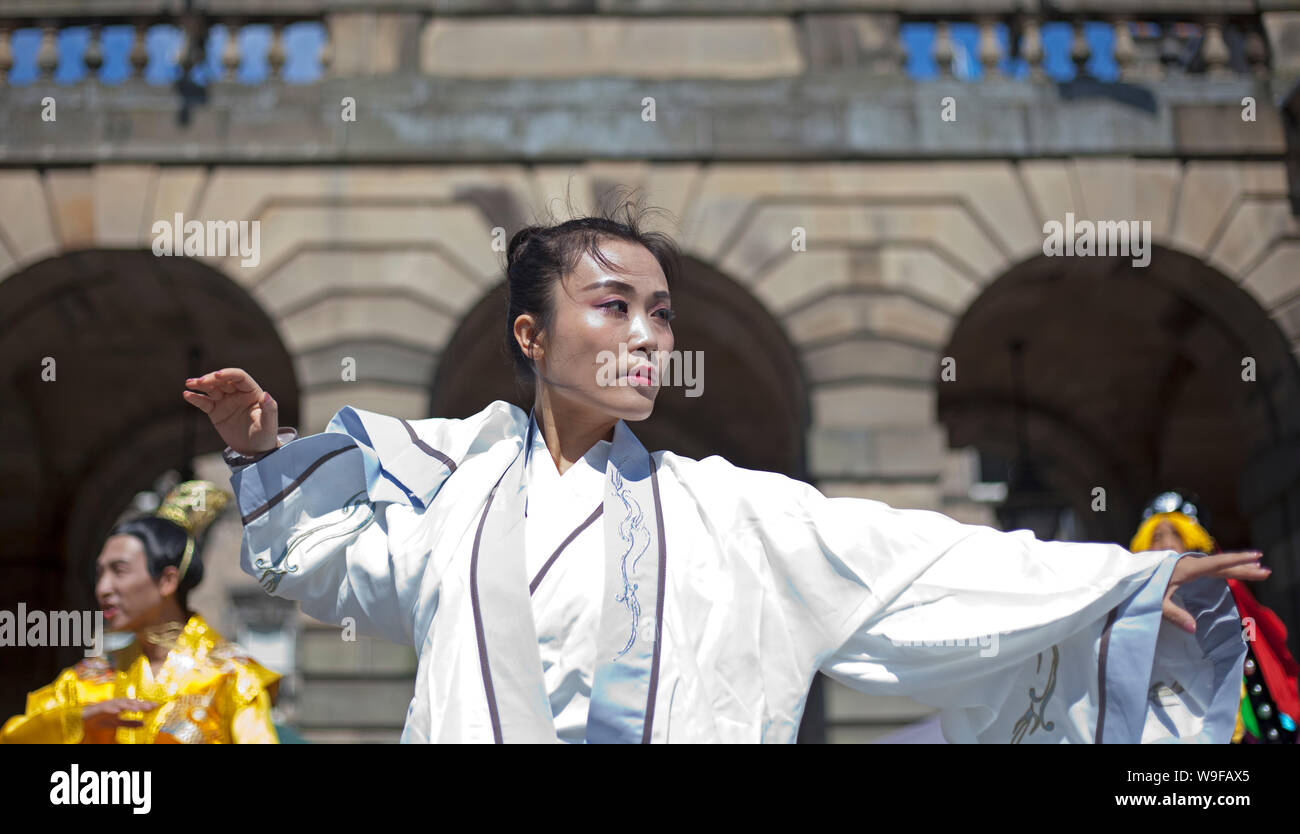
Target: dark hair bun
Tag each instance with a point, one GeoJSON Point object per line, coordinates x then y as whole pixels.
{"type": "Point", "coordinates": [520, 239]}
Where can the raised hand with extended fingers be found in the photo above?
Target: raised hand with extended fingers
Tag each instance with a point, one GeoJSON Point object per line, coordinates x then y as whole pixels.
{"type": "Point", "coordinates": [1238, 565]}
{"type": "Point", "coordinates": [245, 416]}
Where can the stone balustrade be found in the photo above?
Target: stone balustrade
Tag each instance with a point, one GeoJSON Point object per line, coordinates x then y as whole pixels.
{"type": "Point", "coordinates": [215, 41]}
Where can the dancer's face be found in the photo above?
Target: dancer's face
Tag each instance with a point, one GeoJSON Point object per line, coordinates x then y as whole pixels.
{"type": "Point", "coordinates": [129, 597]}
{"type": "Point", "coordinates": [596, 312]}
{"type": "Point", "coordinates": [1165, 537]}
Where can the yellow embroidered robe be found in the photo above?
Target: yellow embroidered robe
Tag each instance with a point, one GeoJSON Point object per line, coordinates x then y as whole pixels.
{"type": "Point", "coordinates": [207, 690]}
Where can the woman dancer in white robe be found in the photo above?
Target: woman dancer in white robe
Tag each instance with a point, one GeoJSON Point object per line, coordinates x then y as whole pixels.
{"type": "Point", "coordinates": [560, 583]}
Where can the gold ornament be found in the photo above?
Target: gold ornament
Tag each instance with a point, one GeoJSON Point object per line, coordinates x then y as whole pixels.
{"type": "Point", "coordinates": [192, 506]}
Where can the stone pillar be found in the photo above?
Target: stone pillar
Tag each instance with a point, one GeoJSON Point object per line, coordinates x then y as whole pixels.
{"type": "Point", "coordinates": [366, 43]}
{"type": "Point", "coordinates": [864, 42]}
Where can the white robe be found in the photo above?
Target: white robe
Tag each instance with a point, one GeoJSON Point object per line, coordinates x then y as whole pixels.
{"type": "Point", "coordinates": [723, 592]}
{"type": "Point", "coordinates": [567, 574]}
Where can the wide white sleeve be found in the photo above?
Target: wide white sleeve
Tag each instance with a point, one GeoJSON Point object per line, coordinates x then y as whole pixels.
{"type": "Point", "coordinates": [1013, 638]}
{"type": "Point", "coordinates": [329, 519]}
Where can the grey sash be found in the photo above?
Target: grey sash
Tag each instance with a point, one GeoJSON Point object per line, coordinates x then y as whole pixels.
{"type": "Point", "coordinates": [631, 618]}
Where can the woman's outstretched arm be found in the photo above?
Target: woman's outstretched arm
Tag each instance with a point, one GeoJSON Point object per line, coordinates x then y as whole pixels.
{"type": "Point", "coordinates": [971, 619]}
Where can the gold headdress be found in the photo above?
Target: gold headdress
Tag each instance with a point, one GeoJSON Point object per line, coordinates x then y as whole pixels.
{"type": "Point", "coordinates": [192, 506]}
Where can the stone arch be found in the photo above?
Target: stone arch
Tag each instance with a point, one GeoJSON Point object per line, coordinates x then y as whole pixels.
{"type": "Point", "coordinates": [124, 328]}
{"type": "Point", "coordinates": [369, 265]}
{"type": "Point", "coordinates": [1134, 383]}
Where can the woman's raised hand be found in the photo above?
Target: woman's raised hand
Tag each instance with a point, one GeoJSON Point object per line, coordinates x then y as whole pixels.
{"type": "Point", "coordinates": [245, 416]}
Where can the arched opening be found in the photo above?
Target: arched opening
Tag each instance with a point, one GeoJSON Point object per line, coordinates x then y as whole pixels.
{"type": "Point", "coordinates": [752, 407]}
{"type": "Point", "coordinates": [95, 347]}
{"type": "Point", "coordinates": [1135, 380]}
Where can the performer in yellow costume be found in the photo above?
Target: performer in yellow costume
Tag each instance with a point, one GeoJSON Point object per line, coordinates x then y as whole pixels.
{"type": "Point", "coordinates": [175, 684]}
{"type": "Point", "coordinates": [1270, 700]}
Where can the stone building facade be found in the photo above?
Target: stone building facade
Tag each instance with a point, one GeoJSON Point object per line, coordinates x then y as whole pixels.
{"type": "Point", "coordinates": [850, 231]}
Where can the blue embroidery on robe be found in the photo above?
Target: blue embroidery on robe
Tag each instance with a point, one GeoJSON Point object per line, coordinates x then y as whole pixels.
{"type": "Point", "coordinates": [358, 514]}
{"type": "Point", "coordinates": [632, 524]}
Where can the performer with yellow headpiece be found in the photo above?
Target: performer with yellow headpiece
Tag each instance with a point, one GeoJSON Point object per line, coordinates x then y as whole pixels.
{"type": "Point", "coordinates": [179, 682]}
{"type": "Point", "coordinates": [1270, 699]}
